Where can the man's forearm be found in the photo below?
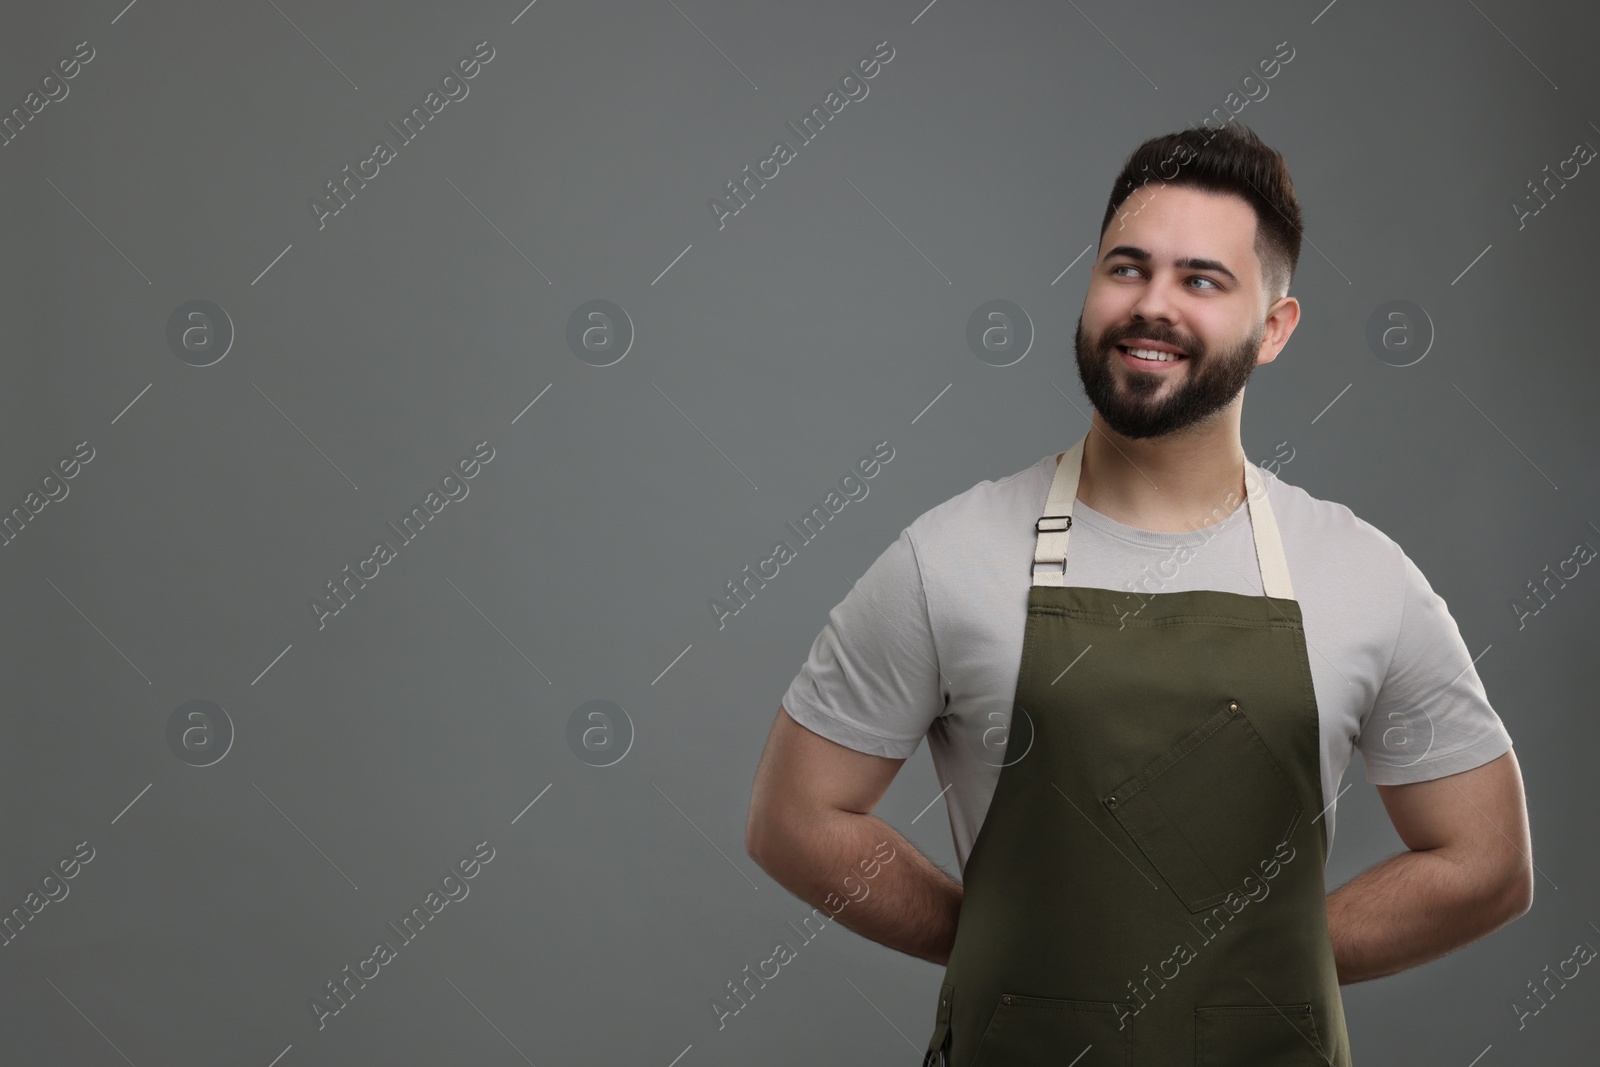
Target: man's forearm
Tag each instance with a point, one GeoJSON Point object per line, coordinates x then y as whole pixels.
{"type": "Point", "coordinates": [909, 904]}
{"type": "Point", "coordinates": [1407, 910]}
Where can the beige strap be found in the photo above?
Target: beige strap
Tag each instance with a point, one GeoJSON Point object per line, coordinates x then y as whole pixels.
{"type": "Point", "coordinates": [1052, 527]}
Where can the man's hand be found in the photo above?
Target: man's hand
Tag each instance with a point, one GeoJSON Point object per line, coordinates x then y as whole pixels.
{"type": "Point", "coordinates": [1469, 872]}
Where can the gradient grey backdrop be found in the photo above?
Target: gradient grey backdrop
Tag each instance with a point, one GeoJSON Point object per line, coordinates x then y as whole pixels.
{"type": "Point", "coordinates": [370, 355]}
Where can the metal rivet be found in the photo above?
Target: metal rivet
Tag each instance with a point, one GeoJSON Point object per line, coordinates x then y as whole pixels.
{"type": "Point", "coordinates": [1006, 999]}
{"type": "Point", "coordinates": [1111, 801]}
{"type": "Point", "coordinates": [1233, 707]}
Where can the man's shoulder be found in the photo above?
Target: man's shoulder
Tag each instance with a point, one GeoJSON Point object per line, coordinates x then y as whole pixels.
{"type": "Point", "coordinates": [975, 515]}
{"type": "Point", "coordinates": [1328, 534]}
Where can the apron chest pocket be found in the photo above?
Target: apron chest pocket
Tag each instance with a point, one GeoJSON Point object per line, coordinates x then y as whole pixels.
{"type": "Point", "coordinates": [1211, 810]}
{"type": "Point", "coordinates": [1084, 1033]}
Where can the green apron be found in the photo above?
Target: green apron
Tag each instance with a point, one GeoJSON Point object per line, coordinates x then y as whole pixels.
{"type": "Point", "coordinates": [1147, 886]}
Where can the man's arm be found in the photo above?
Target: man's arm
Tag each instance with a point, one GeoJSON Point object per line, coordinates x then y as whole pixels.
{"type": "Point", "coordinates": [1469, 872]}
{"type": "Point", "coordinates": [810, 828]}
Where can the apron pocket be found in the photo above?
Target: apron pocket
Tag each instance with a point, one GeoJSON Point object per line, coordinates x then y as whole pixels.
{"type": "Point", "coordinates": [1209, 810]}
{"type": "Point", "coordinates": [1044, 1030]}
{"type": "Point", "coordinates": [1255, 1034]}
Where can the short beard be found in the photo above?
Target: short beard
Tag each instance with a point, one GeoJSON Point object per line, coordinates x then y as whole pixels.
{"type": "Point", "coordinates": [1210, 384]}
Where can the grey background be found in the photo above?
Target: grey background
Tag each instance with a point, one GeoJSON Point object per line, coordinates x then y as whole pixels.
{"type": "Point", "coordinates": [827, 316]}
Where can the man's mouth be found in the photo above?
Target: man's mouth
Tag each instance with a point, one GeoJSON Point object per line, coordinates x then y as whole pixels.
{"type": "Point", "coordinates": [1150, 355]}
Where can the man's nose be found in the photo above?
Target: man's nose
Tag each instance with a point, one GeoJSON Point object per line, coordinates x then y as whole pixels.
{"type": "Point", "coordinates": [1155, 302]}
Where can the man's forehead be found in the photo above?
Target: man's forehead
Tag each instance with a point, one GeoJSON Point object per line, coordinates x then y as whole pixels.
{"type": "Point", "coordinates": [1176, 223]}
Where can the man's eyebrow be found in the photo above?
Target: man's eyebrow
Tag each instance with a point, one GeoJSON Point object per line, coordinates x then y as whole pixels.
{"type": "Point", "coordinates": [1188, 262]}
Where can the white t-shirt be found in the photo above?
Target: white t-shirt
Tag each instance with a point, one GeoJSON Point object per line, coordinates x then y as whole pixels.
{"type": "Point", "coordinates": [929, 640]}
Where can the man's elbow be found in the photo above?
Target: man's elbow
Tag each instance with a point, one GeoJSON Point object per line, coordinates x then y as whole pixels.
{"type": "Point", "coordinates": [763, 837]}
{"type": "Point", "coordinates": [778, 840]}
{"type": "Point", "coordinates": [1505, 891]}
{"type": "Point", "coordinates": [754, 837]}
{"type": "Point", "coordinates": [1518, 895]}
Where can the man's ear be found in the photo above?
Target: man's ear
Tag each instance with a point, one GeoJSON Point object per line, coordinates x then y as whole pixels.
{"type": "Point", "coordinates": [1280, 322]}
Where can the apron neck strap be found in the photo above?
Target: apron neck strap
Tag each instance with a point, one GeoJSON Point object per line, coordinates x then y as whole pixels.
{"type": "Point", "coordinates": [1052, 527]}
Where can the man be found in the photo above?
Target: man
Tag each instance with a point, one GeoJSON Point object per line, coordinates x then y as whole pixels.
{"type": "Point", "coordinates": [1141, 740]}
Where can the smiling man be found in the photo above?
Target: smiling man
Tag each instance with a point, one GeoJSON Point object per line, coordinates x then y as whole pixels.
{"type": "Point", "coordinates": [1141, 738]}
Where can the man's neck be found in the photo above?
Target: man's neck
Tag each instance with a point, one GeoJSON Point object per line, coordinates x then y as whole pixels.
{"type": "Point", "coordinates": [1173, 483]}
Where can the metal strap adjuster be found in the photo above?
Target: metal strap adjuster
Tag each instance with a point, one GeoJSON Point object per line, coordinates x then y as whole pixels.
{"type": "Point", "coordinates": [1052, 566]}
{"type": "Point", "coordinates": [1042, 525]}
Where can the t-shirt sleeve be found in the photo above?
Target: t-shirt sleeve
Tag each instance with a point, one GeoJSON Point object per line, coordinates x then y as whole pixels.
{"type": "Point", "coordinates": [1431, 717]}
{"type": "Point", "coordinates": [871, 681]}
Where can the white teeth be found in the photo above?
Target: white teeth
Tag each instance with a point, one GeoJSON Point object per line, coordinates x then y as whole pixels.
{"type": "Point", "coordinates": [1152, 354]}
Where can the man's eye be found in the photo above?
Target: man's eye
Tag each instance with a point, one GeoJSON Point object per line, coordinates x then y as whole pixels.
{"type": "Point", "coordinates": [1115, 272]}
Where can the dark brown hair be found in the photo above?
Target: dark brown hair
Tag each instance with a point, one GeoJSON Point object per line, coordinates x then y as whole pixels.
{"type": "Point", "coordinates": [1232, 159]}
